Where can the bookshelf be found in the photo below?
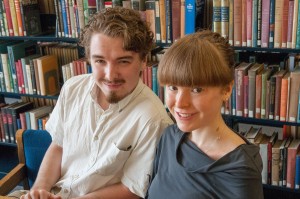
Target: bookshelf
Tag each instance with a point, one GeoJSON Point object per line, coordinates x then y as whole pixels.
{"type": "Point", "coordinates": [273, 55]}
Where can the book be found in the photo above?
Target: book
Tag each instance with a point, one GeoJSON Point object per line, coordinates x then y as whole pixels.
{"type": "Point", "coordinates": [237, 22]}
{"type": "Point", "coordinates": [265, 23]}
{"type": "Point", "coordinates": [162, 11]}
{"type": "Point", "coordinates": [150, 15]}
{"type": "Point", "coordinates": [8, 18]}
{"type": "Point", "coordinates": [264, 79]}
{"type": "Point", "coordinates": [252, 73]}
{"type": "Point", "coordinates": [279, 75]}
{"type": "Point", "coordinates": [272, 23]}
{"type": "Point", "coordinates": [291, 163]}
{"type": "Point", "coordinates": [175, 13]}
{"type": "Point", "coordinates": [294, 90]}
{"type": "Point", "coordinates": [190, 15]}
{"type": "Point", "coordinates": [284, 99]}
{"type": "Point", "coordinates": [278, 23]}
{"type": "Point", "coordinates": [258, 94]}
{"type": "Point", "coordinates": [17, 51]}
{"type": "Point", "coordinates": [297, 171]}
{"type": "Point", "coordinates": [36, 113]}
{"type": "Point", "coordinates": [295, 24]}
{"type": "Point", "coordinates": [275, 162]}
{"type": "Point", "coordinates": [290, 23]}
{"type": "Point", "coordinates": [224, 18]}
{"type": "Point", "coordinates": [48, 74]}
{"type": "Point", "coordinates": [253, 135]}
{"type": "Point", "coordinates": [249, 7]}
{"type": "Point", "coordinates": [240, 71]}
{"type": "Point", "coordinates": [157, 22]}
{"type": "Point", "coordinates": [217, 16]}
{"type": "Point", "coordinates": [284, 30]}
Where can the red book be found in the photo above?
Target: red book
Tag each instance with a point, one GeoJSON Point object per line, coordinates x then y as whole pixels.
{"type": "Point", "coordinates": [284, 30]}
{"type": "Point", "coordinates": [8, 18]}
{"type": "Point", "coordinates": [246, 96]}
{"type": "Point", "coordinates": [290, 23]}
{"type": "Point", "coordinates": [291, 163]}
{"type": "Point", "coordinates": [244, 22]}
{"type": "Point", "coordinates": [265, 23]}
{"type": "Point", "coordinates": [237, 22]}
{"type": "Point", "coordinates": [240, 71]}
{"type": "Point", "coordinates": [284, 97]}
{"type": "Point", "coordinates": [279, 77]}
{"type": "Point", "coordinates": [176, 19]}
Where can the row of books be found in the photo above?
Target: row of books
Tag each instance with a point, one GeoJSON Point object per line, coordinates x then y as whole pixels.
{"type": "Point", "coordinates": [31, 68]}
{"type": "Point", "coordinates": [258, 23]}
{"type": "Point", "coordinates": [20, 18]}
{"type": "Point", "coordinates": [76, 67]}
{"type": "Point", "coordinates": [21, 115]}
{"type": "Point", "coordinates": [281, 157]}
{"type": "Point", "coordinates": [265, 91]}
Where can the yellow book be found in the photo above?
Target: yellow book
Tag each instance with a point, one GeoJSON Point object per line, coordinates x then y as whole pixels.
{"type": "Point", "coordinates": [14, 17]}
{"type": "Point", "coordinates": [48, 75]}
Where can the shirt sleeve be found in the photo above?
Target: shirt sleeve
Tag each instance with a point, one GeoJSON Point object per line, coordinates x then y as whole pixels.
{"type": "Point", "coordinates": [138, 168]}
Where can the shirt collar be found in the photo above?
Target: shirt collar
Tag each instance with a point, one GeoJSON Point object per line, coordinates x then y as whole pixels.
{"type": "Point", "coordinates": [123, 103]}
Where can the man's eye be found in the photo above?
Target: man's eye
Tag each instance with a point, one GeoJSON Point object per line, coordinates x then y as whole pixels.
{"type": "Point", "coordinates": [197, 90]}
{"type": "Point", "coordinates": [172, 88]}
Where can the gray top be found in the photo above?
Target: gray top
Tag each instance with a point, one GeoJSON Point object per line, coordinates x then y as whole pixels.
{"type": "Point", "coordinates": [183, 171]}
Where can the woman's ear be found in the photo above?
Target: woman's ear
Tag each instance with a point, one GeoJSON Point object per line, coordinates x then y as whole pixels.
{"type": "Point", "coordinates": [227, 90]}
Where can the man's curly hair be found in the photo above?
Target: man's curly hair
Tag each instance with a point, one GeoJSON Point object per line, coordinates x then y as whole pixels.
{"type": "Point", "coordinates": [119, 22]}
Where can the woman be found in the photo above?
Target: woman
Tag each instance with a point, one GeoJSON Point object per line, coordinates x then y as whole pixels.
{"type": "Point", "coordinates": [199, 156]}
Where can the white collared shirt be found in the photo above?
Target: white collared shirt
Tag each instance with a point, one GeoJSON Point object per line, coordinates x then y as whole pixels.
{"type": "Point", "coordinates": [100, 147]}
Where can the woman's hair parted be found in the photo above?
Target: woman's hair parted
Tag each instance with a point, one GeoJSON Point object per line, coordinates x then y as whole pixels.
{"type": "Point", "coordinates": [204, 58]}
{"type": "Point", "coordinates": [119, 22]}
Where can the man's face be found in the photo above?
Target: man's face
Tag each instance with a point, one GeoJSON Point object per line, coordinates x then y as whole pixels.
{"type": "Point", "coordinates": [116, 71]}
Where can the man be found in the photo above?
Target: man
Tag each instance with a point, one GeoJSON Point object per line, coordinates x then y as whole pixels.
{"type": "Point", "coordinates": [105, 125]}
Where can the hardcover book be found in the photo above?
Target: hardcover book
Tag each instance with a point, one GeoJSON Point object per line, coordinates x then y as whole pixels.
{"type": "Point", "coordinates": [48, 74]}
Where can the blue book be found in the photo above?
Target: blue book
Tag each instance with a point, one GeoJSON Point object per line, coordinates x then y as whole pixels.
{"type": "Point", "coordinates": [64, 16]}
{"type": "Point", "coordinates": [297, 173]}
{"type": "Point", "coordinates": [190, 16]}
{"type": "Point", "coordinates": [154, 80]}
{"type": "Point", "coordinates": [272, 24]}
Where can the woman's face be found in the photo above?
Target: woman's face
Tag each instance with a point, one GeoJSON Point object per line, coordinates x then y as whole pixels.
{"type": "Point", "coordinates": [194, 108]}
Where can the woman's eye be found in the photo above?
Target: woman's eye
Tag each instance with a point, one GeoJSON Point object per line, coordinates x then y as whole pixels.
{"type": "Point", "coordinates": [172, 88]}
{"type": "Point", "coordinates": [197, 90]}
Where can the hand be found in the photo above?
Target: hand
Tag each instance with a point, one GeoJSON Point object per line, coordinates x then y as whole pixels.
{"type": "Point", "coordinates": [39, 194]}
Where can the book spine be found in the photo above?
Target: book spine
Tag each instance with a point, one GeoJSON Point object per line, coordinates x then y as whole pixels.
{"type": "Point", "coordinates": [217, 16]}
{"type": "Point", "coordinates": [8, 18]}
{"type": "Point", "coordinates": [237, 22]}
{"type": "Point", "coordinates": [259, 22]}
{"type": "Point", "coordinates": [290, 24]}
{"type": "Point", "coordinates": [272, 24]}
{"type": "Point", "coordinates": [14, 17]}
{"type": "Point", "coordinates": [297, 46]}
{"type": "Point", "coordinates": [295, 23]}
{"type": "Point", "coordinates": [19, 17]}
{"type": "Point", "coordinates": [254, 23]}
{"type": "Point", "coordinates": [190, 15]}
{"type": "Point", "coordinates": [278, 22]}
{"type": "Point", "coordinates": [162, 11]}
{"type": "Point", "coordinates": [265, 23]}
{"type": "Point", "coordinates": [157, 22]}
{"type": "Point", "coordinates": [284, 30]}
{"type": "Point", "coordinates": [175, 7]}
{"type": "Point", "coordinates": [231, 23]}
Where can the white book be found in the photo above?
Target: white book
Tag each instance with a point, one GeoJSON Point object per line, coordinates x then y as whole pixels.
{"type": "Point", "coordinates": [36, 113]}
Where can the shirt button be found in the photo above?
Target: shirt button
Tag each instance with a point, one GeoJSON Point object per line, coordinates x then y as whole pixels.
{"type": "Point", "coordinates": [96, 137]}
{"type": "Point", "coordinates": [66, 191]}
